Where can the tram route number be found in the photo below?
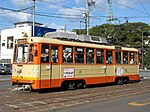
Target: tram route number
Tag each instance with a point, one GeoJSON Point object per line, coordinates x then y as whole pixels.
{"type": "Point", "coordinates": [68, 73]}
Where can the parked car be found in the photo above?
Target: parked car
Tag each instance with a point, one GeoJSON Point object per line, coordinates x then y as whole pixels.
{"type": "Point", "coordinates": [6, 70]}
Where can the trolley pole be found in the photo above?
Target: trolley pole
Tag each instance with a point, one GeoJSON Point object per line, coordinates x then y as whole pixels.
{"type": "Point", "coordinates": [33, 17]}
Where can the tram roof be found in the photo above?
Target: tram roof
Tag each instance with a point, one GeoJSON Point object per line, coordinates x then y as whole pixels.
{"type": "Point", "coordinates": [74, 43]}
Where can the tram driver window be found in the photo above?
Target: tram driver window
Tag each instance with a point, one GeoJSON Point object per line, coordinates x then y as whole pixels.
{"type": "Point", "coordinates": [109, 57]}
{"type": "Point", "coordinates": [45, 53]}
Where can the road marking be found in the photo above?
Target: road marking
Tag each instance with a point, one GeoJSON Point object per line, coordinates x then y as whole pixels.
{"type": "Point", "coordinates": [140, 103]}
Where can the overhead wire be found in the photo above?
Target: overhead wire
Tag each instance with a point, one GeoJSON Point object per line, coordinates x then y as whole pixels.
{"type": "Point", "coordinates": [130, 7]}
{"type": "Point", "coordinates": [59, 14]}
{"type": "Point", "coordinates": [69, 16]}
{"type": "Point", "coordinates": [144, 7]}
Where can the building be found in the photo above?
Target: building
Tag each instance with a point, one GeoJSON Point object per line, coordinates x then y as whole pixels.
{"type": "Point", "coordinates": [21, 30]}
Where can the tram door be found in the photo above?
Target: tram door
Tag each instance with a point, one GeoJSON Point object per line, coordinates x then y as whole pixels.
{"type": "Point", "coordinates": [49, 66]}
{"type": "Point", "coordinates": [45, 67]}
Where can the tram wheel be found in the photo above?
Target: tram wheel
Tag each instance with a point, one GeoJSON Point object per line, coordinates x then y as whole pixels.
{"type": "Point", "coordinates": [119, 81]}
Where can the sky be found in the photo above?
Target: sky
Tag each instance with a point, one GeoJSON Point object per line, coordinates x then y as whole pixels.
{"type": "Point", "coordinates": [69, 14]}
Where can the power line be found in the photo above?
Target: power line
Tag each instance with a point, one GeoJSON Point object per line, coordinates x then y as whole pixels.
{"type": "Point", "coordinates": [130, 8]}
{"type": "Point", "coordinates": [23, 1]}
{"type": "Point", "coordinates": [15, 10]}
{"type": "Point", "coordinates": [59, 14]}
{"type": "Point", "coordinates": [65, 17]}
{"type": "Point", "coordinates": [144, 7]}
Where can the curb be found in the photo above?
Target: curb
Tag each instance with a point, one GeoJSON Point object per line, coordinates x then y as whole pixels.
{"type": "Point", "coordinates": [3, 80]}
{"type": "Point", "coordinates": [146, 77]}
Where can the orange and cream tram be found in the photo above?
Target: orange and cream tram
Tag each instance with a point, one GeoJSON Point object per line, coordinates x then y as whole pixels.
{"type": "Point", "coordinates": [40, 63]}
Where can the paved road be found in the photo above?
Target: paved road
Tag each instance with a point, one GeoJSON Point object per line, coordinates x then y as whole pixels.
{"type": "Point", "coordinates": [123, 98]}
{"type": "Point", "coordinates": [5, 77]}
{"type": "Point", "coordinates": [138, 103]}
{"type": "Point", "coordinates": [145, 74]}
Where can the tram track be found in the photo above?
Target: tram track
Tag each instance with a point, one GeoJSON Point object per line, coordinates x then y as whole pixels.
{"type": "Point", "coordinates": [28, 102]}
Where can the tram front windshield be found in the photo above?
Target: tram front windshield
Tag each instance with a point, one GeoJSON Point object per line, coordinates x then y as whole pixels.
{"type": "Point", "coordinates": [21, 53]}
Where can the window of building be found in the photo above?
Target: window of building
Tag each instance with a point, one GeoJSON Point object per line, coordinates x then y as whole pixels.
{"type": "Point", "coordinates": [125, 57]}
{"type": "Point", "coordinates": [109, 57]}
{"type": "Point", "coordinates": [10, 42]}
{"type": "Point", "coordinates": [54, 54]}
{"type": "Point", "coordinates": [131, 57]}
{"type": "Point", "coordinates": [99, 56]}
{"type": "Point", "coordinates": [118, 57]}
{"type": "Point", "coordinates": [3, 44]}
{"type": "Point", "coordinates": [45, 53]}
{"type": "Point", "coordinates": [89, 55]}
{"type": "Point", "coordinates": [79, 55]}
{"type": "Point", "coordinates": [67, 54]}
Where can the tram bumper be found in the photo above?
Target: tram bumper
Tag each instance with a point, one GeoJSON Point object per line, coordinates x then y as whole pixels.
{"type": "Point", "coordinates": [21, 81]}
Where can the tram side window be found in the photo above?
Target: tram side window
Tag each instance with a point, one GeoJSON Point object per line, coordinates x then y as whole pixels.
{"type": "Point", "coordinates": [79, 56]}
{"type": "Point", "coordinates": [131, 57]}
{"type": "Point", "coordinates": [125, 57]}
{"type": "Point", "coordinates": [30, 53]}
{"type": "Point", "coordinates": [89, 55]}
{"type": "Point", "coordinates": [54, 54]}
{"type": "Point", "coordinates": [99, 56]}
{"type": "Point", "coordinates": [45, 53]}
{"type": "Point", "coordinates": [67, 54]}
{"type": "Point", "coordinates": [118, 57]}
{"type": "Point", "coordinates": [109, 57]}
{"type": "Point", "coordinates": [137, 58]}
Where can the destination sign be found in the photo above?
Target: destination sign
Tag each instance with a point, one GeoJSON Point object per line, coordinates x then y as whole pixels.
{"type": "Point", "coordinates": [21, 40]}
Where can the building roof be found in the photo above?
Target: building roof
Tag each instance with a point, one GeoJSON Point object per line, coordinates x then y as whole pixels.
{"type": "Point", "coordinates": [27, 22]}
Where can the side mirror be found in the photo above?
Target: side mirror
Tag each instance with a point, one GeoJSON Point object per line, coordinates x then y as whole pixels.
{"type": "Point", "coordinates": [35, 51]}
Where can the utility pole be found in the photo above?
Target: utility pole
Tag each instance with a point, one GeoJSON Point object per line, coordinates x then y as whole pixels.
{"type": "Point", "coordinates": [109, 11]}
{"type": "Point", "coordinates": [87, 18]}
{"type": "Point", "coordinates": [80, 27]}
{"type": "Point", "coordinates": [142, 52]}
{"type": "Point", "coordinates": [33, 17]}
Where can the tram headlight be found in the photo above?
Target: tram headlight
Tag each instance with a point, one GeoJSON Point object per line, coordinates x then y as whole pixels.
{"type": "Point", "coordinates": [36, 70]}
